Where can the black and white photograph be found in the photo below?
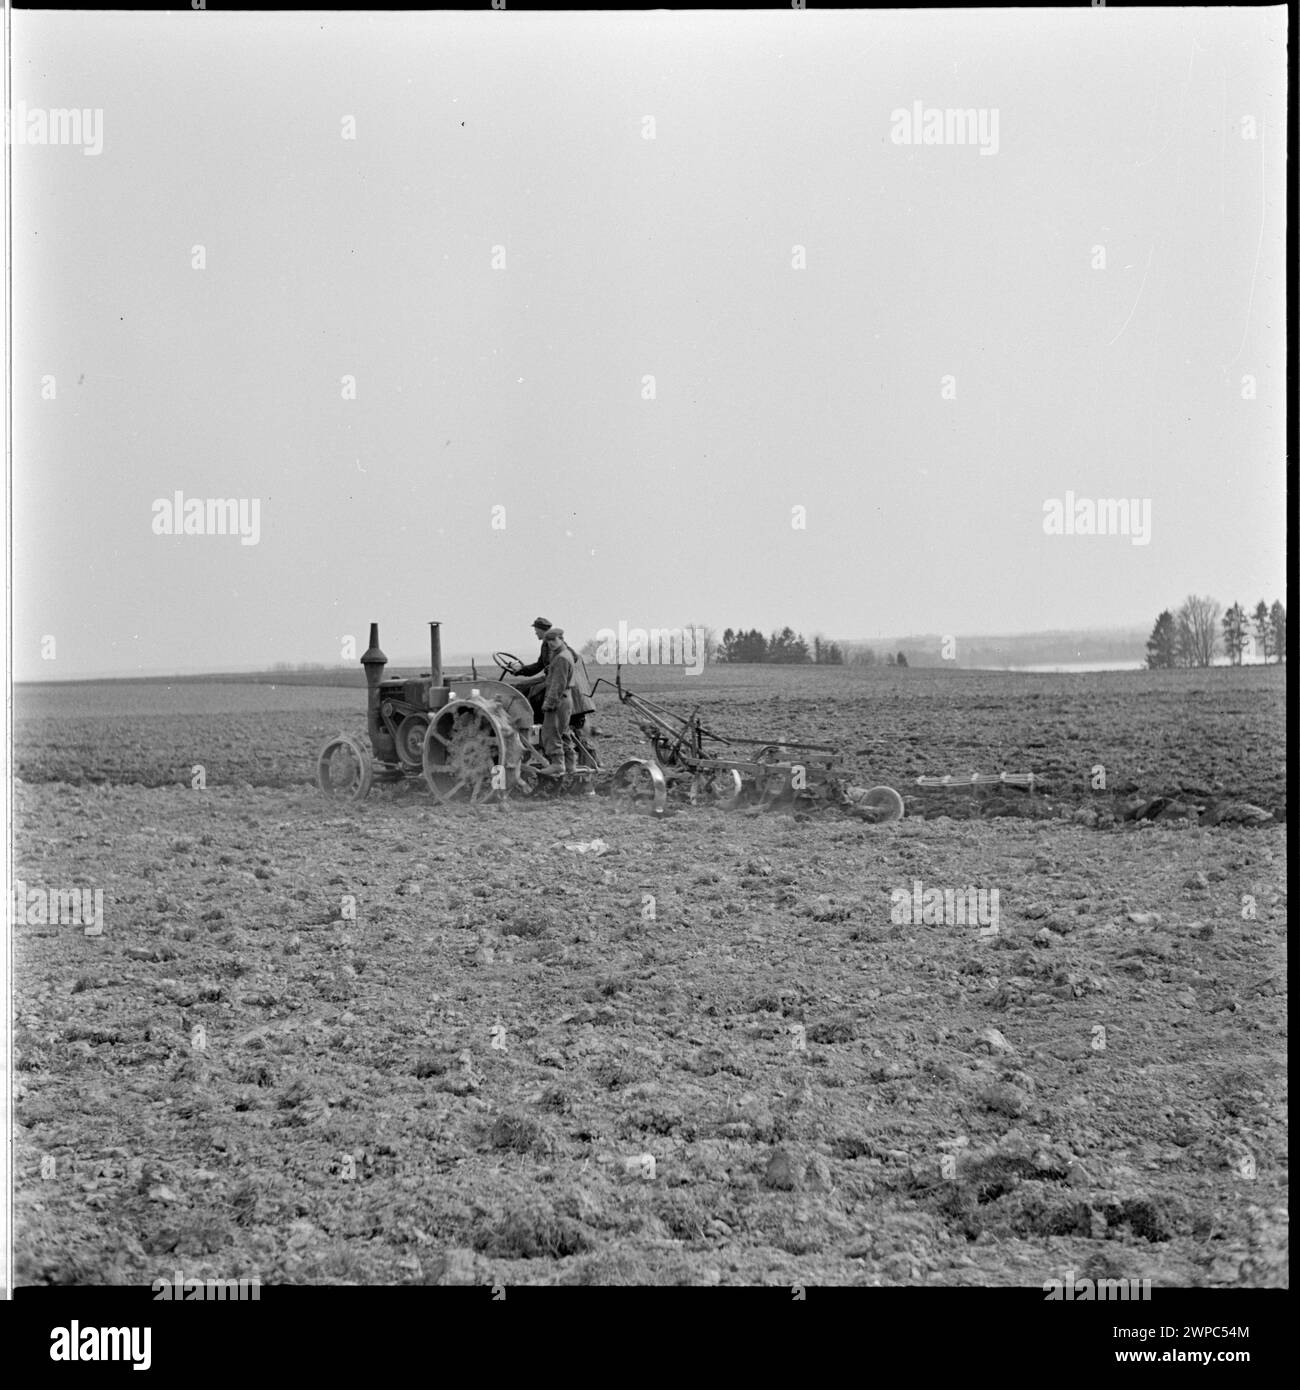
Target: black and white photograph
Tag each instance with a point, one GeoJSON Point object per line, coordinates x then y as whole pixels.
{"type": "Point", "coordinates": [647, 648]}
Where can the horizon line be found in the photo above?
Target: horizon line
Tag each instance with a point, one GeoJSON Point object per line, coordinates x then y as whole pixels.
{"type": "Point", "coordinates": [884, 643]}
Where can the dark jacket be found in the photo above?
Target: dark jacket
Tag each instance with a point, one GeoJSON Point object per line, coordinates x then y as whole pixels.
{"type": "Point", "coordinates": [559, 677]}
{"type": "Point", "coordinates": [579, 690]}
{"type": "Point", "coordinates": [535, 668]}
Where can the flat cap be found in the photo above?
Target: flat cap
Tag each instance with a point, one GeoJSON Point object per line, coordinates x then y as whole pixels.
{"type": "Point", "coordinates": [541, 622]}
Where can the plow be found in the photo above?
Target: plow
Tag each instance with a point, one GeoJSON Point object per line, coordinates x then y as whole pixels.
{"type": "Point", "coordinates": [705, 767]}
{"type": "Point", "coordinates": [474, 739]}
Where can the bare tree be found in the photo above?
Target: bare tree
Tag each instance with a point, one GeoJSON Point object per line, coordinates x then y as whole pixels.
{"type": "Point", "coordinates": [1198, 631]}
{"type": "Point", "coordinates": [1184, 646]}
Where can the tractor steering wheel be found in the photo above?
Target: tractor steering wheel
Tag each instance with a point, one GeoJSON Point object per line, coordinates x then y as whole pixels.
{"type": "Point", "coordinates": [507, 663]}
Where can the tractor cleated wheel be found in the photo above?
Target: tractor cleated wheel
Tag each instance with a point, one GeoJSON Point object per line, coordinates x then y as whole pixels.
{"type": "Point", "coordinates": [640, 786]}
{"type": "Point", "coordinates": [464, 752]}
{"type": "Point", "coordinates": [344, 768]}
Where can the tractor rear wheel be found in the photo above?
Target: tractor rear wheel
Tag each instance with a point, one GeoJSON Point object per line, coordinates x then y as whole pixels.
{"type": "Point", "coordinates": [464, 753]}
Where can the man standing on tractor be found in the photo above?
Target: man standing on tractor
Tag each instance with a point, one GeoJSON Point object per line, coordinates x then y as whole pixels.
{"type": "Point", "coordinates": [557, 706]}
{"type": "Point", "coordinates": [580, 694]}
{"type": "Point", "coordinates": [534, 680]}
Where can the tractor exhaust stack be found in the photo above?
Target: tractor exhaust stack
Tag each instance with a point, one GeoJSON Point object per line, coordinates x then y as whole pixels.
{"type": "Point", "coordinates": [373, 660]}
{"type": "Point", "coordinates": [435, 653]}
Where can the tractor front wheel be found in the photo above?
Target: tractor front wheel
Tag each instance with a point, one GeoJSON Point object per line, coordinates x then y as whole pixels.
{"type": "Point", "coordinates": [344, 768]}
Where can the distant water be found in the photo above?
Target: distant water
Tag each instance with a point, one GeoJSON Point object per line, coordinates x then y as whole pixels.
{"type": "Point", "coordinates": [1067, 667]}
{"type": "Point", "coordinates": [1071, 666]}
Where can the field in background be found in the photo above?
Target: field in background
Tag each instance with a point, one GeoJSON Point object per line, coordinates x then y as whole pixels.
{"type": "Point", "coordinates": [1217, 731]}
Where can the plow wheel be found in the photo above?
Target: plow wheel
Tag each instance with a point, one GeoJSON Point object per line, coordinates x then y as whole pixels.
{"type": "Point", "coordinates": [774, 789]}
{"type": "Point", "coordinates": [464, 746]}
{"type": "Point", "coordinates": [721, 787]}
{"type": "Point", "coordinates": [640, 786]}
{"type": "Point", "coordinates": [344, 769]}
{"type": "Point", "coordinates": [881, 805]}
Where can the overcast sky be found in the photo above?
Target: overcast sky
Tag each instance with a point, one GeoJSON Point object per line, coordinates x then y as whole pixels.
{"type": "Point", "coordinates": [955, 353]}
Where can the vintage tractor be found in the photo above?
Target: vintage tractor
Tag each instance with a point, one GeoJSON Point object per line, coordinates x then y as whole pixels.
{"type": "Point", "coordinates": [755, 773]}
{"type": "Point", "coordinates": [467, 738]}
{"type": "Point", "coordinates": [474, 739]}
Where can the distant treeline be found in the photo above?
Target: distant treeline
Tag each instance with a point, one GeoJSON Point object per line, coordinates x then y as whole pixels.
{"type": "Point", "coordinates": [282, 673]}
{"type": "Point", "coordinates": [789, 648]}
{"type": "Point", "coordinates": [1192, 635]}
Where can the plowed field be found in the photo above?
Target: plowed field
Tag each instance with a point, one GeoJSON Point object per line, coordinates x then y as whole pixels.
{"type": "Point", "coordinates": [548, 1043]}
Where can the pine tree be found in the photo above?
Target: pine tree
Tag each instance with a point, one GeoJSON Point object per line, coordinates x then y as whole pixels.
{"type": "Point", "coordinates": [747, 647]}
{"type": "Point", "coordinates": [1162, 645]}
{"type": "Point", "coordinates": [1234, 633]}
{"type": "Point", "coordinates": [1263, 630]}
{"type": "Point", "coordinates": [787, 647]}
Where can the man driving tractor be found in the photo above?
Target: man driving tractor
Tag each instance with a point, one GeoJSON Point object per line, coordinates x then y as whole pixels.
{"type": "Point", "coordinates": [534, 673]}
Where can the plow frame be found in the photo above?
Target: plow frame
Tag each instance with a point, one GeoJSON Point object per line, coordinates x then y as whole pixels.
{"type": "Point", "coordinates": [762, 771]}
